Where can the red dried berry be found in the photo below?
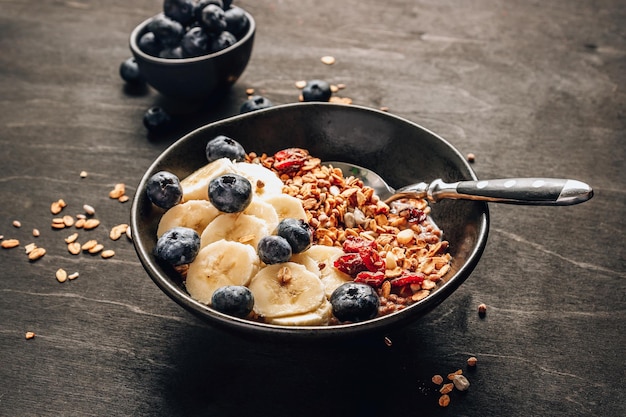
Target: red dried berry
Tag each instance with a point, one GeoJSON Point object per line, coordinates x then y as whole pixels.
{"type": "Point", "coordinates": [373, 279]}
{"type": "Point", "coordinates": [408, 279]}
{"type": "Point", "coordinates": [354, 244]}
{"type": "Point", "coordinates": [351, 264]}
{"type": "Point", "coordinates": [371, 259]}
{"type": "Point", "coordinates": [291, 159]}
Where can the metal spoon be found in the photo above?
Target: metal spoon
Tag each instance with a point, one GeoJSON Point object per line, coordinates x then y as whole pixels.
{"type": "Point", "coordinates": [530, 191]}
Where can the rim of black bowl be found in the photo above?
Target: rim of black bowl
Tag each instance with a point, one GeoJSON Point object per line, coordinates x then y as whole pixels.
{"type": "Point", "coordinates": [140, 28]}
{"type": "Point", "coordinates": [378, 325]}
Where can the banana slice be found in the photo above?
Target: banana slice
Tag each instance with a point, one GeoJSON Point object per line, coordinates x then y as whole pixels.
{"type": "Point", "coordinates": [264, 211]}
{"type": "Point", "coordinates": [237, 227]}
{"type": "Point", "coordinates": [309, 263]}
{"type": "Point", "coordinates": [196, 185]}
{"type": "Point", "coordinates": [319, 317]}
{"type": "Point", "coordinates": [325, 256]}
{"type": "Point", "coordinates": [195, 214]}
{"type": "Point", "coordinates": [218, 264]}
{"type": "Point", "coordinates": [265, 183]}
{"type": "Point", "coordinates": [287, 206]}
{"type": "Point", "coordinates": [286, 289]}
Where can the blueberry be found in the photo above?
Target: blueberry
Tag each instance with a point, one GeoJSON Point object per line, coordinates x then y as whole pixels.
{"type": "Point", "coordinates": [201, 4]}
{"type": "Point", "coordinates": [129, 71]}
{"type": "Point", "coordinates": [236, 21]}
{"type": "Point", "coordinates": [297, 232]}
{"type": "Point", "coordinates": [274, 249]}
{"type": "Point", "coordinates": [195, 42]}
{"type": "Point", "coordinates": [179, 10]}
{"type": "Point", "coordinates": [230, 193]}
{"type": "Point", "coordinates": [172, 53]}
{"type": "Point", "coordinates": [178, 246]}
{"type": "Point", "coordinates": [255, 103]}
{"type": "Point", "coordinates": [156, 119]}
{"type": "Point", "coordinates": [234, 300]}
{"type": "Point", "coordinates": [316, 90]}
{"type": "Point", "coordinates": [164, 189]}
{"type": "Point", "coordinates": [149, 44]}
{"type": "Point", "coordinates": [167, 31]}
{"type": "Point", "coordinates": [213, 19]}
{"type": "Point", "coordinates": [222, 41]}
{"type": "Point", "coordinates": [224, 147]}
{"type": "Point", "coordinates": [354, 302]}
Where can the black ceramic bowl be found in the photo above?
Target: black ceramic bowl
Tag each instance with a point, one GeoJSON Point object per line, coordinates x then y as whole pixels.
{"type": "Point", "coordinates": [199, 77]}
{"type": "Point", "coordinates": [401, 151]}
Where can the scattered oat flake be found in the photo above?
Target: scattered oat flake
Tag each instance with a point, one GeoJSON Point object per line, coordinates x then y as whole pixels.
{"type": "Point", "coordinates": [17, 223]}
{"type": "Point", "coordinates": [73, 276]}
{"type": "Point", "coordinates": [249, 91]}
{"type": "Point", "coordinates": [471, 157]}
{"type": "Point", "coordinates": [117, 191]}
{"type": "Point", "coordinates": [36, 253]}
{"type": "Point", "coordinates": [384, 108]}
{"type": "Point", "coordinates": [123, 198]}
{"type": "Point", "coordinates": [73, 248]}
{"type": "Point", "coordinates": [36, 232]}
{"type": "Point", "coordinates": [30, 247]}
{"type": "Point", "coordinates": [328, 60]}
{"type": "Point", "coordinates": [89, 244]}
{"type": "Point", "coordinates": [29, 335]}
{"type": "Point", "coordinates": [95, 249]}
{"type": "Point", "coordinates": [117, 231]}
{"type": "Point", "coordinates": [57, 206]}
{"type": "Point", "coordinates": [444, 400]}
{"type": "Point", "coordinates": [388, 341]}
{"type": "Point", "coordinates": [334, 88]}
{"type": "Point", "coordinates": [446, 388]}
{"type": "Point", "coordinates": [61, 275]}
{"type": "Point", "coordinates": [68, 221]}
{"type": "Point", "coordinates": [83, 174]}
{"type": "Point", "coordinates": [301, 84]}
{"type": "Point", "coordinates": [10, 243]}
{"type": "Point", "coordinates": [107, 254]}
{"type": "Point", "coordinates": [89, 209]}
{"type": "Point", "coordinates": [471, 361]}
{"type": "Point", "coordinates": [71, 238]}
{"type": "Point", "coordinates": [90, 224]}
{"type": "Point", "coordinates": [437, 379]}
{"type": "Point", "coordinates": [341, 100]}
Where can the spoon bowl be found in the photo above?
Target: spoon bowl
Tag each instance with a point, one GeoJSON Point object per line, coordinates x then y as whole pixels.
{"type": "Point", "coordinates": [527, 191]}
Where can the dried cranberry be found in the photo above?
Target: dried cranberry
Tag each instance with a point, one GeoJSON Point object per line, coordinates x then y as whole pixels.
{"type": "Point", "coordinates": [408, 279]}
{"type": "Point", "coordinates": [354, 244]}
{"type": "Point", "coordinates": [289, 160]}
{"type": "Point", "coordinates": [416, 215]}
{"type": "Point", "coordinates": [374, 279]}
{"type": "Point", "coordinates": [371, 259]}
{"type": "Point", "coordinates": [351, 264]}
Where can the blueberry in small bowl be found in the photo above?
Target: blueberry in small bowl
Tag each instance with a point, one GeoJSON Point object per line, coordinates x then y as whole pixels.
{"type": "Point", "coordinates": [187, 53]}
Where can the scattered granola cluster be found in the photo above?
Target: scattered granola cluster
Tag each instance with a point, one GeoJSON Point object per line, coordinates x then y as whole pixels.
{"type": "Point", "coordinates": [81, 221]}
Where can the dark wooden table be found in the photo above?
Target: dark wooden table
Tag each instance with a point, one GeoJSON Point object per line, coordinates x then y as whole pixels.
{"type": "Point", "coordinates": [531, 88]}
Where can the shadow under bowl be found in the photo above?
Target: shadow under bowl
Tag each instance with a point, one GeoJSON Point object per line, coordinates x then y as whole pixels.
{"type": "Point", "coordinates": [399, 150]}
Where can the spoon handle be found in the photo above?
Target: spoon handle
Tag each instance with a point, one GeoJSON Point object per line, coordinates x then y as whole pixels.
{"type": "Point", "coordinates": [533, 191]}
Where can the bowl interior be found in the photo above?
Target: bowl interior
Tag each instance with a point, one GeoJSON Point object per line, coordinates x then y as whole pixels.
{"type": "Point", "coordinates": [401, 151]}
{"type": "Point", "coordinates": [195, 77]}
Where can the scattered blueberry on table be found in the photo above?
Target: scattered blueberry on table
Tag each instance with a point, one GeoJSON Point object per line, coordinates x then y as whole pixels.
{"type": "Point", "coordinates": [255, 103]}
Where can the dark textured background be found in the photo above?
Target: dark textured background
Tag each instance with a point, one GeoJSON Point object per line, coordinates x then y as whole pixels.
{"type": "Point", "coordinates": [532, 88]}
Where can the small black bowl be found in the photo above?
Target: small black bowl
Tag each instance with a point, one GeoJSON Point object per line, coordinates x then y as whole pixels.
{"type": "Point", "coordinates": [198, 77]}
{"type": "Point", "coordinates": [399, 150]}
